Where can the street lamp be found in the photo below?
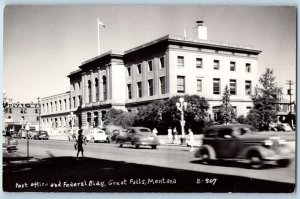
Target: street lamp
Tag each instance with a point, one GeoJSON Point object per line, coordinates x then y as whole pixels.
{"type": "Point", "coordinates": [39, 114]}
{"type": "Point", "coordinates": [181, 106]}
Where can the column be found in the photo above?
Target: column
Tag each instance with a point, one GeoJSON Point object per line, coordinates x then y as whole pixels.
{"type": "Point", "coordinates": [99, 83]}
{"type": "Point", "coordinates": [83, 86]}
{"type": "Point", "coordinates": [93, 86]}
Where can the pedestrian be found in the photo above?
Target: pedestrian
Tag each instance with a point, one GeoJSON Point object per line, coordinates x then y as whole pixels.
{"type": "Point", "coordinates": [192, 140]}
{"type": "Point", "coordinates": [174, 134]}
{"type": "Point", "coordinates": [80, 140]}
{"type": "Point", "coordinates": [170, 136]}
{"type": "Point", "coordinates": [155, 131]}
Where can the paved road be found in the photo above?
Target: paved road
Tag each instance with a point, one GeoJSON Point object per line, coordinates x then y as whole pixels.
{"type": "Point", "coordinates": [168, 156]}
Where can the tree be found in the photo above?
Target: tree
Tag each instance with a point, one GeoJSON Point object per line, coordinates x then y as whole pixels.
{"type": "Point", "coordinates": [119, 117]}
{"type": "Point", "coordinates": [226, 114]}
{"type": "Point", "coordinates": [265, 100]}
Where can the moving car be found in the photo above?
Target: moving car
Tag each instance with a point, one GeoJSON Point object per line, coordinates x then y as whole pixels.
{"type": "Point", "coordinates": [138, 136]}
{"type": "Point", "coordinates": [116, 132]}
{"type": "Point", "coordinates": [284, 127]}
{"type": "Point", "coordinates": [41, 135]}
{"type": "Point", "coordinates": [240, 142]}
{"type": "Point", "coordinates": [97, 135]}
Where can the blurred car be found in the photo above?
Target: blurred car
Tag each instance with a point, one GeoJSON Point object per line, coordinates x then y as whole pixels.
{"type": "Point", "coordinates": [284, 127]}
{"type": "Point", "coordinates": [97, 135]}
{"type": "Point", "coordinates": [240, 142]}
{"type": "Point", "coordinates": [9, 143]}
{"type": "Point", "coordinates": [138, 136]}
{"type": "Point", "coordinates": [22, 134]}
{"type": "Point", "coordinates": [32, 134]}
{"type": "Point", "coordinates": [116, 132]}
{"type": "Point", "coordinates": [41, 135]}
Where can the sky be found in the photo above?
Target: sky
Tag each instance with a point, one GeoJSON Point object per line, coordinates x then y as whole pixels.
{"type": "Point", "coordinates": [43, 44]}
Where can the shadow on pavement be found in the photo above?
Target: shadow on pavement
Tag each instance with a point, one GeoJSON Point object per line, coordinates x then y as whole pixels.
{"type": "Point", "coordinates": [67, 174]}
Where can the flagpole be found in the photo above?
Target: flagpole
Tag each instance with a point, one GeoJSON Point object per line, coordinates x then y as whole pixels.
{"type": "Point", "coordinates": [98, 36]}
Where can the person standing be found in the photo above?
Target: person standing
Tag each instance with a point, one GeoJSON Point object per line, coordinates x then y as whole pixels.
{"type": "Point", "coordinates": [80, 141]}
{"type": "Point", "coordinates": [155, 131]}
{"type": "Point", "coordinates": [192, 140]}
{"type": "Point", "coordinates": [170, 136]}
{"type": "Point", "coordinates": [174, 134]}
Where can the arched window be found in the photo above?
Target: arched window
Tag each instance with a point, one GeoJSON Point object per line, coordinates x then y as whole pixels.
{"type": "Point", "coordinates": [97, 89]}
{"type": "Point", "coordinates": [104, 88]}
{"type": "Point", "coordinates": [90, 91]}
{"type": "Point", "coordinates": [89, 119]}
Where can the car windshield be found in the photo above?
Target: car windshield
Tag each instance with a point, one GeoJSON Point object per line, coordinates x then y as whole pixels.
{"type": "Point", "coordinates": [145, 130]}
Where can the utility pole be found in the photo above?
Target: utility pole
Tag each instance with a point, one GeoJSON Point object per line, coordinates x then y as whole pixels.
{"type": "Point", "coordinates": [39, 115]}
{"type": "Point", "coordinates": [289, 92]}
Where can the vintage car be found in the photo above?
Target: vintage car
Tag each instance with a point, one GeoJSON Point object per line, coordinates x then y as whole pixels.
{"type": "Point", "coordinates": [41, 135]}
{"type": "Point", "coordinates": [138, 136]}
{"type": "Point", "coordinates": [240, 142]}
{"type": "Point", "coordinates": [97, 135]}
{"type": "Point", "coordinates": [9, 143]}
{"type": "Point", "coordinates": [113, 135]}
{"type": "Point", "coordinates": [283, 127]}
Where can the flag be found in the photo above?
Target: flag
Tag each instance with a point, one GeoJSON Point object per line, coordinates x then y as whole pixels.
{"type": "Point", "coordinates": [100, 23]}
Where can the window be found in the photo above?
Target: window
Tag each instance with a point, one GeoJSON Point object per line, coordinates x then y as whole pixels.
{"type": "Point", "coordinates": [24, 110]}
{"type": "Point", "coordinates": [9, 117]}
{"type": "Point", "coordinates": [51, 106]}
{"type": "Point", "coordinates": [96, 89]}
{"type": "Point", "coordinates": [162, 62]}
{"type": "Point", "coordinates": [9, 110]}
{"type": "Point", "coordinates": [199, 85]}
{"type": "Point", "coordinates": [36, 110]}
{"type": "Point", "coordinates": [79, 100]}
{"type": "Point", "coordinates": [198, 62]}
{"type": "Point", "coordinates": [180, 61]}
{"type": "Point", "coordinates": [89, 91]}
{"type": "Point", "coordinates": [248, 87]}
{"type": "Point", "coordinates": [162, 81]}
{"type": "Point", "coordinates": [149, 66]}
{"type": "Point", "coordinates": [128, 71]}
{"type": "Point", "coordinates": [37, 118]}
{"type": "Point", "coordinates": [139, 89]}
{"type": "Point", "coordinates": [150, 87]}
{"type": "Point", "coordinates": [65, 102]}
{"type": "Point", "coordinates": [216, 86]}
{"type": "Point", "coordinates": [129, 91]}
{"type": "Point", "coordinates": [232, 66]}
{"type": "Point", "coordinates": [74, 102]}
{"type": "Point", "coordinates": [55, 105]}
{"type": "Point", "coordinates": [216, 64]}
{"type": "Point", "coordinates": [232, 87]}
{"type": "Point", "coordinates": [104, 91]}
{"type": "Point", "coordinates": [248, 67]}
{"type": "Point", "coordinates": [139, 69]}
{"type": "Point", "coordinates": [60, 105]}
{"type": "Point", "coordinates": [180, 84]}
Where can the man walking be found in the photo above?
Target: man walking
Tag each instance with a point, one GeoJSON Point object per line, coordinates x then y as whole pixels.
{"type": "Point", "coordinates": [79, 143]}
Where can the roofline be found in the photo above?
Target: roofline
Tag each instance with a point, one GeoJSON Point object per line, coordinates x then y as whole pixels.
{"type": "Point", "coordinates": [67, 92]}
{"type": "Point", "coordinates": [111, 53]}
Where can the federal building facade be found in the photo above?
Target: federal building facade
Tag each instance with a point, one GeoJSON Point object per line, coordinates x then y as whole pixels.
{"type": "Point", "coordinates": [160, 69]}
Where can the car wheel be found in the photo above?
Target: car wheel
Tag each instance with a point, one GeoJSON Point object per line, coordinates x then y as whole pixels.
{"type": "Point", "coordinates": [153, 146]}
{"type": "Point", "coordinates": [256, 161]}
{"type": "Point", "coordinates": [120, 143]}
{"type": "Point", "coordinates": [283, 163]}
{"type": "Point", "coordinates": [107, 141]}
{"type": "Point", "coordinates": [204, 156]}
{"type": "Point", "coordinates": [136, 145]}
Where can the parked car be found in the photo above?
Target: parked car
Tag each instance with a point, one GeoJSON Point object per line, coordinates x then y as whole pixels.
{"type": "Point", "coordinates": [240, 142]}
{"type": "Point", "coordinates": [41, 135]}
{"type": "Point", "coordinates": [9, 143]}
{"type": "Point", "coordinates": [32, 134]}
{"type": "Point", "coordinates": [284, 127]}
{"type": "Point", "coordinates": [138, 136]}
{"type": "Point", "coordinates": [97, 135]}
{"type": "Point", "coordinates": [22, 134]}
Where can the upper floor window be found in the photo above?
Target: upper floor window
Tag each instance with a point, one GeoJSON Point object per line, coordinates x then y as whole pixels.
{"type": "Point", "coordinates": [60, 105]}
{"type": "Point", "coordinates": [216, 64]}
{"type": "Point", "coordinates": [129, 91]}
{"type": "Point", "coordinates": [129, 71]}
{"type": "Point", "coordinates": [150, 66]}
{"type": "Point", "coordinates": [162, 81]}
{"type": "Point", "coordinates": [232, 66]}
{"type": "Point", "coordinates": [139, 69]}
{"type": "Point", "coordinates": [248, 67]}
{"type": "Point", "coordinates": [180, 61]}
{"type": "Point", "coordinates": [162, 62]}
{"type": "Point", "coordinates": [199, 85]}
{"type": "Point", "coordinates": [198, 62]}
{"type": "Point", "coordinates": [180, 84]}
{"type": "Point", "coordinates": [248, 87]}
{"type": "Point", "coordinates": [139, 89]}
{"type": "Point", "coordinates": [232, 87]}
{"type": "Point", "coordinates": [216, 86]}
{"type": "Point", "coordinates": [150, 87]}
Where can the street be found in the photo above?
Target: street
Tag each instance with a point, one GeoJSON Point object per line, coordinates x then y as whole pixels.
{"type": "Point", "coordinates": [174, 161]}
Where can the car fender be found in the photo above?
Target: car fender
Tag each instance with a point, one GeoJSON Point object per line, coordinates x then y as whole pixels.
{"type": "Point", "coordinates": [264, 152]}
{"type": "Point", "coordinates": [210, 149]}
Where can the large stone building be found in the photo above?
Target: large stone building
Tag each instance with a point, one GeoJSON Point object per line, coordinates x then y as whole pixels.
{"type": "Point", "coordinates": [160, 69]}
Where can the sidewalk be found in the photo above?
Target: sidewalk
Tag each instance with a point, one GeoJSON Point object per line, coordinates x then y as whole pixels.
{"type": "Point", "coordinates": [164, 140]}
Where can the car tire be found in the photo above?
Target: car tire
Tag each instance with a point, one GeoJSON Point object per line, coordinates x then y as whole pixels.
{"type": "Point", "coordinates": [256, 161]}
{"type": "Point", "coordinates": [204, 156]}
{"type": "Point", "coordinates": [283, 163]}
{"type": "Point", "coordinates": [136, 145]}
{"type": "Point", "coordinates": [153, 146]}
{"type": "Point", "coordinates": [107, 141]}
{"type": "Point", "coordinates": [120, 143]}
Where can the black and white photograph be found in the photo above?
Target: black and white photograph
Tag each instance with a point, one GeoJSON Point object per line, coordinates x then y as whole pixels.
{"type": "Point", "coordinates": [149, 98]}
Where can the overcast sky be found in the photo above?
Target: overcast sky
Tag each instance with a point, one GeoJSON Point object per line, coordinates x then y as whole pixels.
{"type": "Point", "coordinates": [43, 44]}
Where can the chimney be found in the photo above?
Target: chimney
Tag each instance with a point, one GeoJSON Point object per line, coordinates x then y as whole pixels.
{"type": "Point", "coordinates": [201, 30]}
